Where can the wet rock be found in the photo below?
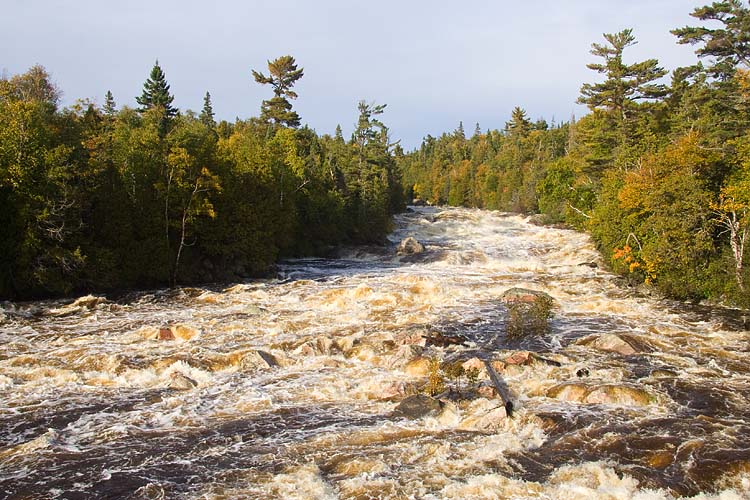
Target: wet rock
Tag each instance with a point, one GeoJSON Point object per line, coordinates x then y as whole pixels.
{"type": "Point", "coordinates": [80, 304]}
{"type": "Point", "coordinates": [411, 338]}
{"type": "Point", "coordinates": [418, 202]}
{"type": "Point", "coordinates": [417, 406]}
{"type": "Point", "coordinates": [487, 391]}
{"type": "Point", "coordinates": [410, 246]}
{"type": "Point", "coordinates": [527, 358]}
{"type": "Point", "coordinates": [663, 373]}
{"type": "Point", "coordinates": [165, 334]}
{"type": "Point", "coordinates": [318, 346]}
{"type": "Point", "coordinates": [524, 295]}
{"type": "Point", "coordinates": [180, 382]}
{"type": "Point", "coordinates": [582, 372]}
{"type": "Point", "coordinates": [403, 355]}
{"type": "Point", "coordinates": [609, 342]}
{"type": "Point", "coordinates": [258, 360]}
{"type": "Point", "coordinates": [592, 265]}
{"type": "Point", "coordinates": [441, 340]}
{"type": "Point", "coordinates": [475, 364]}
{"type": "Point", "coordinates": [605, 394]}
{"type": "Point", "coordinates": [395, 391]}
{"type": "Point", "coordinates": [418, 367]}
{"type": "Point", "coordinates": [174, 332]}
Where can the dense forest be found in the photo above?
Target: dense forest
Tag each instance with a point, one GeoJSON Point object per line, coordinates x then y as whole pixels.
{"type": "Point", "coordinates": [93, 198]}
{"type": "Point", "coordinates": [96, 198]}
{"type": "Point", "coordinates": [658, 173]}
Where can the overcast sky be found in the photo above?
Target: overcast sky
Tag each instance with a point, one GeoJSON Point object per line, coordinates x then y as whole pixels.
{"type": "Point", "coordinates": [434, 63]}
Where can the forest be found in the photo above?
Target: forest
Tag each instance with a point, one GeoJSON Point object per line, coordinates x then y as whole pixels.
{"type": "Point", "coordinates": [105, 199]}
{"type": "Point", "coordinates": [96, 198]}
{"type": "Point", "coordinates": [658, 173]}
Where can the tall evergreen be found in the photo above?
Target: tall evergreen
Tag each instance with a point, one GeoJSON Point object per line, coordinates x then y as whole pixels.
{"type": "Point", "coordinates": [207, 113]}
{"type": "Point", "coordinates": [283, 74]}
{"type": "Point", "coordinates": [110, 108]}
{"type": "Point", "coordinates": [625, 84]}
{"type": "Point", "coordinates": [156, 93]}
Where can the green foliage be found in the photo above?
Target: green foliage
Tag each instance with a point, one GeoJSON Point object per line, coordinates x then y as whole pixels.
{"type": "Point", "coordinates": [528, 318]}
{"type": "Point", "coordinates": [99, 199]}
{"type": "Point", "coordinates": [435, 381]}
{"type": "Point", "coordinates": [282, 75]}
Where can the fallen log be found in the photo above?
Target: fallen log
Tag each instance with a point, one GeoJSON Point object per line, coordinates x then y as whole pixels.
{"type": "Point", "coordinates": [501, 387]}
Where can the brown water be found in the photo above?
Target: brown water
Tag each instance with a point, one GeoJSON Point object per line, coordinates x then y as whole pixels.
{"type": "Point", "coordinates": [95, 405]}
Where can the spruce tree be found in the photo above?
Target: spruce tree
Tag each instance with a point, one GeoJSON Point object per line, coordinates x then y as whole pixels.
{"type": "Point", "coordinates": [110, 108]}
{"type": "Point", "coordinates": [283, 74]}
{"type": "Point", "coordinates": [156, 93]}
{"type": "Point", "coordinates": [207, 113]}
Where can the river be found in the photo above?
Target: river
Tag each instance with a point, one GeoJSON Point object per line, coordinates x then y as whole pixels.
{"type": "Point", "coordinates": [286, 388]}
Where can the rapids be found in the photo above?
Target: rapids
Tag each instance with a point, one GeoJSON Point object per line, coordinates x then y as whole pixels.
{"type": "Point", "coordinates": [285, 388]}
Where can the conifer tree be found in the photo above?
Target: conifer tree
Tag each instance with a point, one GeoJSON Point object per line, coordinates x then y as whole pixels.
{"type": "Point", "coordinates": [110, 108]}
{"type": "Point", "coordinates": [625, 83]}
{"type": "Point", "coordinates": [207, 113]}
{"type": "Point", "coordinates": [283, 74]}
{"type": "Point", "coordinates": [156, 93]}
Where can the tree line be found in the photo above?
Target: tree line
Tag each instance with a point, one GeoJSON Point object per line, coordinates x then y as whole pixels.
{"type": "Point", "coordinates": [96, 198]}
{"type": "Point", "coordinates": [658, 173]}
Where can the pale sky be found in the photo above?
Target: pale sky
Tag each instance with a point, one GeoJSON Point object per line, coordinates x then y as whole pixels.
{"type": "Point", "coordinates": [434, 63]}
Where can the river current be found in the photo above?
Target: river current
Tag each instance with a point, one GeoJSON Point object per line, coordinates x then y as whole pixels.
{"type": "Point", "coordinates": [286, 388]}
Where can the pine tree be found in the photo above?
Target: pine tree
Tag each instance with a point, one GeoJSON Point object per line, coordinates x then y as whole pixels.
{"type": "Point", "coordinates": [110, 108]}
{"type": "Point", "coordinates": [207, 114]}
{"type": "Point", "coordinates": [728, 45]}
{"type": "Point", "coordinates": [283, 74]}
{"type": "Point", "coordinates": [625, 83]}
{"type": "Point", "coordinates": [156, 93]}
{"type": "Point", "coordinates": [477, 130]}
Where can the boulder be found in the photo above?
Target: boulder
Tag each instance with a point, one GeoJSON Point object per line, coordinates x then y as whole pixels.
{"type": "Point", "coordinates": [395, 391]}
{"type": "Point", "coordinates": [605, 394]}
{"type": "Point", "coordinates": [403, 355]}
{"type": "Point", "coordinates": [258, 360]}
{"type": "Point", "coordinates": [417, 406]}
{"type": "Point", "coordinates": [180, 382]}
{"type": "Point", "coordinates": [609, 342]}
{"type": "Point", "coordinates": [524, 295]}
{"type": "Point", "coordinates": [418, 367]}
{"type": "Point", "coordinates": [409, 246]}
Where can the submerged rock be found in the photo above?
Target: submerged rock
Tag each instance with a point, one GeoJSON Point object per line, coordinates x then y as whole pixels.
{"type": "Point", "coordinates": [417, 406]}
{"type": "Point", "coordinates": [409, 246]}
{"type": "Point", "coordinates": [174, 332]}
{"type": "Point", "coordinates": [418, 367]}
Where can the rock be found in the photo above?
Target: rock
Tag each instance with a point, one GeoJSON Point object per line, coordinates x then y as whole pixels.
{"type": "Point", "coordinates": [80, 304]}
{"type": "Point", "coordinates": [487, 391]}
{"type": "Point", "coordinates": [524, 295]}
{"type": "Point", "coordinates": [180, 382]}
{"type": "Point", "coordinates": [259, 360]}
{"type": "Point", "coordinates": [418, 367]}
{"type": "Point", "coordinates": [592, 265]}
{"type": "Point", "coordinates": [569, 392]}
{"type": "Point", "coordinates": [475, 364]}
{"type": "Point", "coordinates": [609, 342]}
{"type": "Point", "coordinates": [320, 345]}
{"type": "Point", "coordinates": [618, 394]}
{"type": "Point", "coordinates": [418, 202]}
{"type": "Point", "coordinates": [442, 340]}
{"type": "Point", "coordinates": [409, 246]}
{"type": "Point", "coordinates": [417, 406]}
{"type": "Point", "coordinates": [527, 358]}
{"type": "Point", "coordinates": [605, 394]}
{"type": "Point", "coordinates": [395, 391]}
{"type": "Point", "coordinates": [582, 372]}
{"type": "Point", "coordinates": [403, 355]}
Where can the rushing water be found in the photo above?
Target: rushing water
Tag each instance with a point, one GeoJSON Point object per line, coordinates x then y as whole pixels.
{"type": "Point", "coordinates": [286, 388]}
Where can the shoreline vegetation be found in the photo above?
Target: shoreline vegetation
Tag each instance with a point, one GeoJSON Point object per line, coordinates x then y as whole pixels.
{"type": "Point", "coordinates": [658, 174]}
{"type": "Point", "coordinates": [100, 199]}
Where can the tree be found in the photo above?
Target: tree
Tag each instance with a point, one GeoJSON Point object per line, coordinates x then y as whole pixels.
{"type": "Point", "coordinates": [207, 113]}
{"type": "Point", "coordinates": [625, 83]}
{"type": "Point", "coordinates": [729, 45]}
{"type": "Point", "coordinates": [156, 93]}
{"type": "Point", "coordinates": [519, 125]}
{"type": "Point", "coordinates": [283, 74]}
{"type": "Point", "coordinates": [110, 108]}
